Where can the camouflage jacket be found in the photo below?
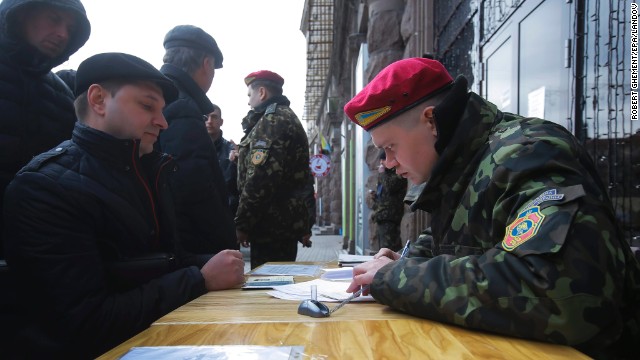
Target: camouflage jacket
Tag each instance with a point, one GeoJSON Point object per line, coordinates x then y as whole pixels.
{"type": "Point", "coordinates": [388, 204]}
{"type": "Point", "coordinates": [274, 179]}
{"type": "Point", "coordinates": [525, 241]}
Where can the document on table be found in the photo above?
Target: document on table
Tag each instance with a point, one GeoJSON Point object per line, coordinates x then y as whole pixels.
{"type": "Point", "coordinates": [327, 291]}
{"type": "Point", "coordinates": [295, 270]}
{"type": "Point", "coordinates": [215, 352]}
{"type": "Point", "coordinates": [267, 282]}
{"type": "Point", "coordinates": [353, 260]}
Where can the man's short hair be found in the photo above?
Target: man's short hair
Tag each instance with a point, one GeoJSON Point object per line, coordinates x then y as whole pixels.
{"type": "Point", "coordinates": [81, 104]}
{"type": "Point", "coordinates": [186, 59]}
{"type": "Point", "coordinates": [272, 87]}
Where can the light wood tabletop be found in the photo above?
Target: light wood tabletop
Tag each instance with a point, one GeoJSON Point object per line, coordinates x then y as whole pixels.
{"type": "Point", "coordinates": [356, 331]}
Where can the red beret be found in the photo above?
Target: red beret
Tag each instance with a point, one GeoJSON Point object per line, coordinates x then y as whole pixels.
{"type": "Point", "coordinates": [264, 75]}
{"type": "Point", "coordinates": [396, 89]}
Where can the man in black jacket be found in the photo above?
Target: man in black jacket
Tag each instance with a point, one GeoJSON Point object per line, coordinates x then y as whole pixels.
{"type": "Point", "coordinates": [227, 155]}
{"type": "Point", "coordinates": [90, 229]}
{"type": "Point", "coordinates": [205, 220]}
{"type": "Point", "coordinates": [36, 108]}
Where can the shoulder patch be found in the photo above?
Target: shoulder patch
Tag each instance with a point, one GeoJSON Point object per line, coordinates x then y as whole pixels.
{"type": "Point", "coordinates": [271, 109]}
{"type": "Point", "coordinates": [259, 156]}
{"type": "Point", "coordinates": [545, 196]}
{"type": "Point", "coordinates": [523, 228]}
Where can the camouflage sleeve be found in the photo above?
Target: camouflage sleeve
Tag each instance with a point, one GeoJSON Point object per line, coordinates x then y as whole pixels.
{"type": "Point", "coordinates": [553, 270]}
{"type": "Point", "coordinates": [264, 170]}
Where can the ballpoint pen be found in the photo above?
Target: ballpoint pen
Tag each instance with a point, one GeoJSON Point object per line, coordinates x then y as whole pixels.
{"type": "Point", "coordinates": [403, 254]}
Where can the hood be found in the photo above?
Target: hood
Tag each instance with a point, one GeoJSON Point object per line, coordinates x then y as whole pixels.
{"type": "Point", "coordinates": [20, 52]}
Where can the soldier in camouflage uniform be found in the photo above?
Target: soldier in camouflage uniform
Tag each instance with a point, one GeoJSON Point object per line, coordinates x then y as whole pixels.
{"type": "Point", "coordinates": [274, 178]}
{"type": "Point", "coordinates": [525, 241]}
{"type": "Point", "coordinates": [388, 208]}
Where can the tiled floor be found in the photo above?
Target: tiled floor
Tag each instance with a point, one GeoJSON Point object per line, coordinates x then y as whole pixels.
{"type": "Point", "coordinates": [324, 248]}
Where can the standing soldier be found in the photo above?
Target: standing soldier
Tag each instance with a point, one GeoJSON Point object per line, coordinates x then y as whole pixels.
{"type": "Point", "coordinates": [274, 179]}
{"type": "Point", "coordinates": [388, 207]}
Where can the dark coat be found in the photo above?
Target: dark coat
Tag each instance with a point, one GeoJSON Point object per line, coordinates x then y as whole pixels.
{"type": "Point", "coordinates": [229, 170]}
{"type": "Point", "coordinates": [36, 107]}
{"type": "Point", "coordinates": [79, 219]}
{"type": "Point", "coordinates": [205, 221]}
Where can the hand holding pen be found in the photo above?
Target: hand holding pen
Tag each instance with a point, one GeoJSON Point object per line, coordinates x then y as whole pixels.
{"type": "Point", "coordinates": [363, 274]}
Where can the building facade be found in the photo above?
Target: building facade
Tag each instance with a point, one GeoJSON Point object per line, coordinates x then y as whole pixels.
{"type": "Point", "coordinates": [565, 61]}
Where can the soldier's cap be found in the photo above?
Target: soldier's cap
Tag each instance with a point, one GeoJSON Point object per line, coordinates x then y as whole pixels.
{"type": "Point", "coordinates": [264, 75]}
{"type": "Point", "coordinates": [397, 88]}
{"type": "Point", "coordinates": [193, 37]}
{"type": "Point", "coordinates": [119, 66]}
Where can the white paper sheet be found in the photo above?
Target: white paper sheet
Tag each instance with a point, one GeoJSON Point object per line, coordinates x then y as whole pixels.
{"type": "Point", "coordinates": [328, 291]}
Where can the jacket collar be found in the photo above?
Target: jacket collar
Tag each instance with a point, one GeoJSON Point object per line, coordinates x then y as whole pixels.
{"type": "Point", "coordinates": [256, 114]}
{"type": "Point", "coordinates": [122, 154]}
{"type": "Point", "coordinates": [187, 86]}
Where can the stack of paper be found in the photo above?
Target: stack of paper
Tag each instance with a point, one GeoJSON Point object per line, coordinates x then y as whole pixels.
{"type": "Point", "coordinates": [327, 291]}
{"type": "Point", "coordinates": [266, 282]}
{"type": "Point", "coordinates": [353, 260]}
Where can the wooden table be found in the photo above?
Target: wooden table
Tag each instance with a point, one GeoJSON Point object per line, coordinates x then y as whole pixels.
{"type": "Point", "coordinates": [357, 331]}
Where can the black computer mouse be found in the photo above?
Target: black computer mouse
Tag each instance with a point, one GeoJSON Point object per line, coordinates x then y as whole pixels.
{"type": "Point", "coordinates": [313, 308]}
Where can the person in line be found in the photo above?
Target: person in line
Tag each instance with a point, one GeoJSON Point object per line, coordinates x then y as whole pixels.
{"type": "Point", "coordinates": [90, 228]}
{"type": "Point", "coordinates": [227, 155]}
{"type": "Point", "coordinates": [205, 221]}
{"type": "Point", "coordinates": [524, 240]}
{"type": "Point", "coordinates": [274, 178]}
{"type": "Point", "coordinates": [36, 108]}
{"type": "Point", "coordinates": [387, 207]}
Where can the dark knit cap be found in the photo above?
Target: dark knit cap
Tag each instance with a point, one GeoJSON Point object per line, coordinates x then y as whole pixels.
{"type": "Point", "coordinates": [193, 37]}
{"type": "Point", "coordinates": [118, 66]}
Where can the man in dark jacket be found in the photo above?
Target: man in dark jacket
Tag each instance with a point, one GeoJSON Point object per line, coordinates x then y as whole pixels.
{"type": "Point", "coordinates": [277, 207]}
{"type": "Point", "coordinates": [90, 228]}
{"type": "Point", "coordinates": [36, 108]}
{"type": "Point", "coordinates": [205, 221]}
{"type": "Point", "coordinates": [227, 155]}
{"type": "Point", "coordinates": [524, 236]}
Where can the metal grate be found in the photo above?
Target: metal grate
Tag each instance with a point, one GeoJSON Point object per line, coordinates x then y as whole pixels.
{"type": "Point", "coordinates": [319, 33]}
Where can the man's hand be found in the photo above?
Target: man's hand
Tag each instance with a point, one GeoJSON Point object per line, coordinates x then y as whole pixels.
{"type": "Point", "coordinates": [384, 252]}
{"type": "Point", "coordinates": [243, 238]}
{"type": "Point", "coordinates": [306, 241]}
{"type": "Point", "coordinates": [224, 270]}
{"type": "Point", "coordinates": [363, 274]}
{"type": "Point", "coordinates": [233, 154]}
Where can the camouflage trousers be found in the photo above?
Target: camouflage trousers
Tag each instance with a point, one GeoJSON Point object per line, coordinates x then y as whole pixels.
{"type": "Point", "coordinates": [388, 235]}
{"type": "Point", "coordinates": [265, 250]}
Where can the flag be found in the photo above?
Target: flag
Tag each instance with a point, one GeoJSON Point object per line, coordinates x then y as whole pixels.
{"type": "Point", "coordinates": [324, 144]}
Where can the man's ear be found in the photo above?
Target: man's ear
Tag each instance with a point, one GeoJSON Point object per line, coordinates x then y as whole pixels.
{"type": "Point", "coordinates": [427, 118]}
{"type": "Point", "coordinates": [264, 94]}
{"type": "Point", "coordinates": [96, 96]}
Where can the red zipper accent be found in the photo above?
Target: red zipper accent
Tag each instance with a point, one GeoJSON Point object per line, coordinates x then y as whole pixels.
{"type": "Point", "coordinates": [153, 205]}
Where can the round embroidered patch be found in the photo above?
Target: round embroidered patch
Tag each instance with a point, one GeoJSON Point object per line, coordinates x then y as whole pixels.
{"type": "Point", "coordinates": [258, 156]}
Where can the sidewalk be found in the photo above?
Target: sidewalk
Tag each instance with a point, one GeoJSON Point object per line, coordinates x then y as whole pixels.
{"type": "Point", "coordinates": [324, 248]}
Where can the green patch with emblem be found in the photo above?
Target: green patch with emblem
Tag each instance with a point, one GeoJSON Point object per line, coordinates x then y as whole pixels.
{"type": "Point", "coordinates": [259, 156]}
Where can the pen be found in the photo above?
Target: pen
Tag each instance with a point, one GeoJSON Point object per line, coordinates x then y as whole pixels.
{"type": "Point", "coordinates": [403, 254]}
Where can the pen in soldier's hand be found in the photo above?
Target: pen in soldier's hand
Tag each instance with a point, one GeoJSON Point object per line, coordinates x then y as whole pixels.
{"type": "Point", "coordinates": [403, 254]}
